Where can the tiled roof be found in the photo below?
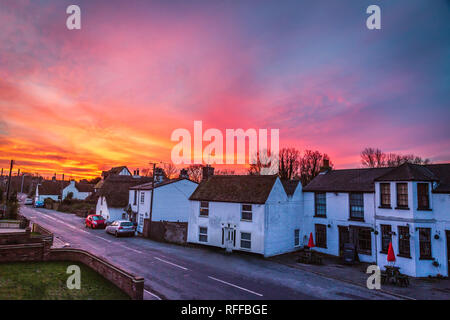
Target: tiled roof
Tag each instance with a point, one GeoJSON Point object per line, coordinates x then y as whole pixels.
{"type": "Point", "coordinates": [235, 188]}
{"type": "Point", "coordinates": [290, 186]}
{"type": "Point", "coordinates": [50, 187]}
{"type": "Point", "coordinates": [442, 171]}
{"type": "Point", "coordinates": [347, 180]}
{"type": "Point", "coordinates": [84, 187]}
{"type": "Point", "coordinates": [409, 172]}
{"type": "Point", "coordinates": [149, 186]}
{"type": "Point", "coordinates": [363, 180]}
{"type": "Point", "coordinates": [116, 189]}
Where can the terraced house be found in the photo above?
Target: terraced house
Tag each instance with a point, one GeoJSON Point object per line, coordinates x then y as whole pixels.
{"type": "Point", "coordinates": [407, 205]}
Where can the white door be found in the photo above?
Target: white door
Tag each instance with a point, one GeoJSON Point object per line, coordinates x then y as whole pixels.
{"type": "Point", "coordinates": [229, 238]}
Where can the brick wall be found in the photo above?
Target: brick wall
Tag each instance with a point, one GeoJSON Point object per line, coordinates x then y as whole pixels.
{"type": "Point", "coordinates": [128, 282]}
{"type": "Point", "coordinates": [174, 232]}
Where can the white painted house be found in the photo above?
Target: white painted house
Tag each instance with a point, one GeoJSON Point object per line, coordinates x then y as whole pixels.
{"type": "Point", "coordinates": [79, 191]}
{"type": "Point", "coordinates": [112, 197]}
{"type": "Point", "coordinates": [170, 201]}
{"type": "Point", "coordinates": [248, 213]}
{"type": "Point", "coordinates": [408, 205]}
{"type": "Point", "coordinates": [50, 189]}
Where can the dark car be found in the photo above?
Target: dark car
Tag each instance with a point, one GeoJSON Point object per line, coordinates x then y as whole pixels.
{"type": "Point", "coordinates": [95, 221]}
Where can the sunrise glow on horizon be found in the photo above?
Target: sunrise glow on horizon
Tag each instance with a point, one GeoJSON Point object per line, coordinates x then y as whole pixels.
{"type": "Point", "coordinates": [81, 101]}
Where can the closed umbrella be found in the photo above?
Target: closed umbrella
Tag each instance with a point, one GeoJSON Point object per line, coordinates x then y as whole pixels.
{"type": "Point", "coordinates": [391, 254]}
{"type": "Point", "coordinates": [311, 241]}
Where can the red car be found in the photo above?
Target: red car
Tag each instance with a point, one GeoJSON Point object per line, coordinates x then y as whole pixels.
{"type": "Point", "coordinates": [95, 221]}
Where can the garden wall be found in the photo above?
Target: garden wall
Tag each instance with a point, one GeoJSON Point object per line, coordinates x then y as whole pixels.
{"type": "Point", "coordinates": [173, 232]}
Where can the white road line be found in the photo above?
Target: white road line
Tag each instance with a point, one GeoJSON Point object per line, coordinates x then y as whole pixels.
{"type": "Point", "coordinates": [152, 294]}
{"type": "Point", "coordinates": [173, 264]}
{"type": "Point", "coordinates": [233, 285]}
{"type": "Point", "coordinates": [103, 239]}
{"type": "Point", "coordinates": [128, 248]}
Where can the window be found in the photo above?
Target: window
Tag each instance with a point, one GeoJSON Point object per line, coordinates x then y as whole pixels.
{"type": "Point", "coordinates": [425, 243]}
{"type": "Point", "coordinates": [423, 200]}
{"type": "Point", "coordinates": [246, 212]}
{"type": "Point", "coordinates": [386, 237]}
{"type": "Point", "coordinates": [320, 203]}
{"type": "Point", "coordinates": [385, 194]}
{"type": "Point", "coordinates": [203, 234]}
{"type": "Point", "coordinates": [135, 197]}
{"type": "Point", "coordinates": [296, 237]}
{"type": "Point", "coordinates": [246, 240]}
{"type": "Point", "coordinates": [101, 200]}
{"type": "Point", "coordinates": [403, 242]}
{"type": "Point", "coordinates": [402, 195]}
{"type": "Point", "coordinates": [204, 208]}
{"type": "Point", "coordinates": [142, 197]}
{"type": "Point", "coordinates": [356, 206]}
{"type": "Point", "coordinates": [365, 240]}
{"type": "Point", "coordinates": [321, 235]}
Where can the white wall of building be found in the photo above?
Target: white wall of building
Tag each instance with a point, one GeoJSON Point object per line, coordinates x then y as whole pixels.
{"type": "Point", "coordinates": [109, 213]}
{"type": "Point", "coordinates": [170, 202]}
{"type": "Point", "coordinates": [338, 214]}
{"type": "Point", "coordinates": [76, 194]}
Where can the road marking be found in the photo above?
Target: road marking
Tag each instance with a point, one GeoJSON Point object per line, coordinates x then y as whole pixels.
{"type": "Point", "coordinates": [233, 285]}
{"type": "Point", "coordinates": [171, 263]}
{"type": "Point", "coordinates": [103, 239]}
{"type": "Point", "coordinates": [137, 251]}
{"type": "Point", "coordinates": [152, 294]}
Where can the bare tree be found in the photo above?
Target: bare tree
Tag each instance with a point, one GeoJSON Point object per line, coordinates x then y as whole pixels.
{"type": "Point", "coordinates": [264, 162]}
{"type": "Point", "coordinates": [195, 172]}
{"type": "Point", "coordinates": [373, 158]}
{"type": "Point", "coordinates": [224, 172]}
{"type": "Point", "coordinates": [170, 170]}
{"type": "Point", "coordinates": [310, 165]}
{"type": "Point", "coordinates": [289, 163]}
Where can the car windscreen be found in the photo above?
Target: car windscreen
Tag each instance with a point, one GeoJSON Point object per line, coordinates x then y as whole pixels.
{"type": "Point", "coordinates": [97, 218]}
{"type": "Point", "coordinates": [126, 224]}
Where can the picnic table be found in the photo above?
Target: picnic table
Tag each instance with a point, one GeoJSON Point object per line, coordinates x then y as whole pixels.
{"type": "Point", "coordinates": [392, 275]}
{"type": "Point", "coordinates": [309, 256]}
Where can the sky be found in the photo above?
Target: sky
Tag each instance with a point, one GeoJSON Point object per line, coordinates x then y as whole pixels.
{"type": "Point", "coordinates": [81, 101]}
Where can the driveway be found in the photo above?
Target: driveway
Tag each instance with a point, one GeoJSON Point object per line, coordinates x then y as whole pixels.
{"type": "Point", "coordinates": [178, 272]}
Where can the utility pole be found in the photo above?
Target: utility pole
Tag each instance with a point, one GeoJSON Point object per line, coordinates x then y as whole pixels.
{"type": "Point", "coordinates": [151, 200]}
{"type": "Point", "coordinates": [21, 187]}
{"type": "Point", "coordinates": [9, 180]}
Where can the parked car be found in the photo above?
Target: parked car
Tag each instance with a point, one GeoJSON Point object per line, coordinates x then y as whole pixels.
{"type": "Point", "coordinates": [121, 227]}
{"type": "Point", "coordinates": [95, 221]}
{"type": "Point", "coordinates": [39, 204]}
{"type": "Point", "coordinates": [28, 201]}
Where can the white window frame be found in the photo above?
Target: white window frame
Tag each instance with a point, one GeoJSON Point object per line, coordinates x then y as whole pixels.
{"type": "Point", "coordinates": [246, 240]}
{"type": "Point", "coordinates": [204, 208]}
{"type": "Point", "coordinates": [242, 211]}
{"type": "Point", "coordinates": [297, 238]}
{"type": "Point", "coordinates": [200, 234]}
{"type": "Point", "coordinates": [142, 197]}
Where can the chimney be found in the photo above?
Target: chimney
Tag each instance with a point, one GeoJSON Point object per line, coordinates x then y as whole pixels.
{"type": "Point", "coordinates": [208, 171]}
{"type": "Point", "coordinates": [134, 172]}
{"type": "Point", "coordinates": [137, 171]}
{"type": "Point", "coordinates": [325, 166]}
{"type": "Point", "coordinates": [63, 177]}
{"type": "Point", "coordinates": [159, 175]}
{"type": "Point", "coordinates": [54, 177]}
{"type": "Point", "coordinates": [184, 174]}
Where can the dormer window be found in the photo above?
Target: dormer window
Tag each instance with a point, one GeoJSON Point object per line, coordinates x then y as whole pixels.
{"type": "Point", "coordinates": [423, 198]}
{"type": "Point", "coordinates": [402, 195]}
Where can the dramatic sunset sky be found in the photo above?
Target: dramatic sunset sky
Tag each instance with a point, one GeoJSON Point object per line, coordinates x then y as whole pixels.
{"type": "Point", "coordinates": [112, 93]}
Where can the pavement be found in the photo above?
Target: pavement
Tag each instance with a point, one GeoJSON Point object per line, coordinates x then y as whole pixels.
{"type": "Point", "coordinates": [198, 273]}
{"type": "Point", "coordinates": [419, 288]}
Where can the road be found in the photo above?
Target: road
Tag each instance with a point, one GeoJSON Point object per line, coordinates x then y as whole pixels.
{"type": "Point", "coordinates": [177, 272]}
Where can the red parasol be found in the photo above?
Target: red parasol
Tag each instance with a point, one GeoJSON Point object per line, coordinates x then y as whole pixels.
{"type": "Point", "coordinates": [390, 255]}
{"type": "Point", "coordinates": [311, 241]}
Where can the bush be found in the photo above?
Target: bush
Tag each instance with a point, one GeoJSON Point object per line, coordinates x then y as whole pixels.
{"type": "Point", "coordinates": [48, 203]}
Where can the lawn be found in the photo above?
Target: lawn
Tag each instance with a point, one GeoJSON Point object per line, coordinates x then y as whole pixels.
{"type": "Point", "coordinates": [47, 281]}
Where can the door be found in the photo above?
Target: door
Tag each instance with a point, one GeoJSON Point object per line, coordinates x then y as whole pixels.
{"type": "Point", "coordinates": [344, 237]}
{"type": "Point", "coordinates": [447, 233]}
{"type": "Point", "coordinates": [229, 238]}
